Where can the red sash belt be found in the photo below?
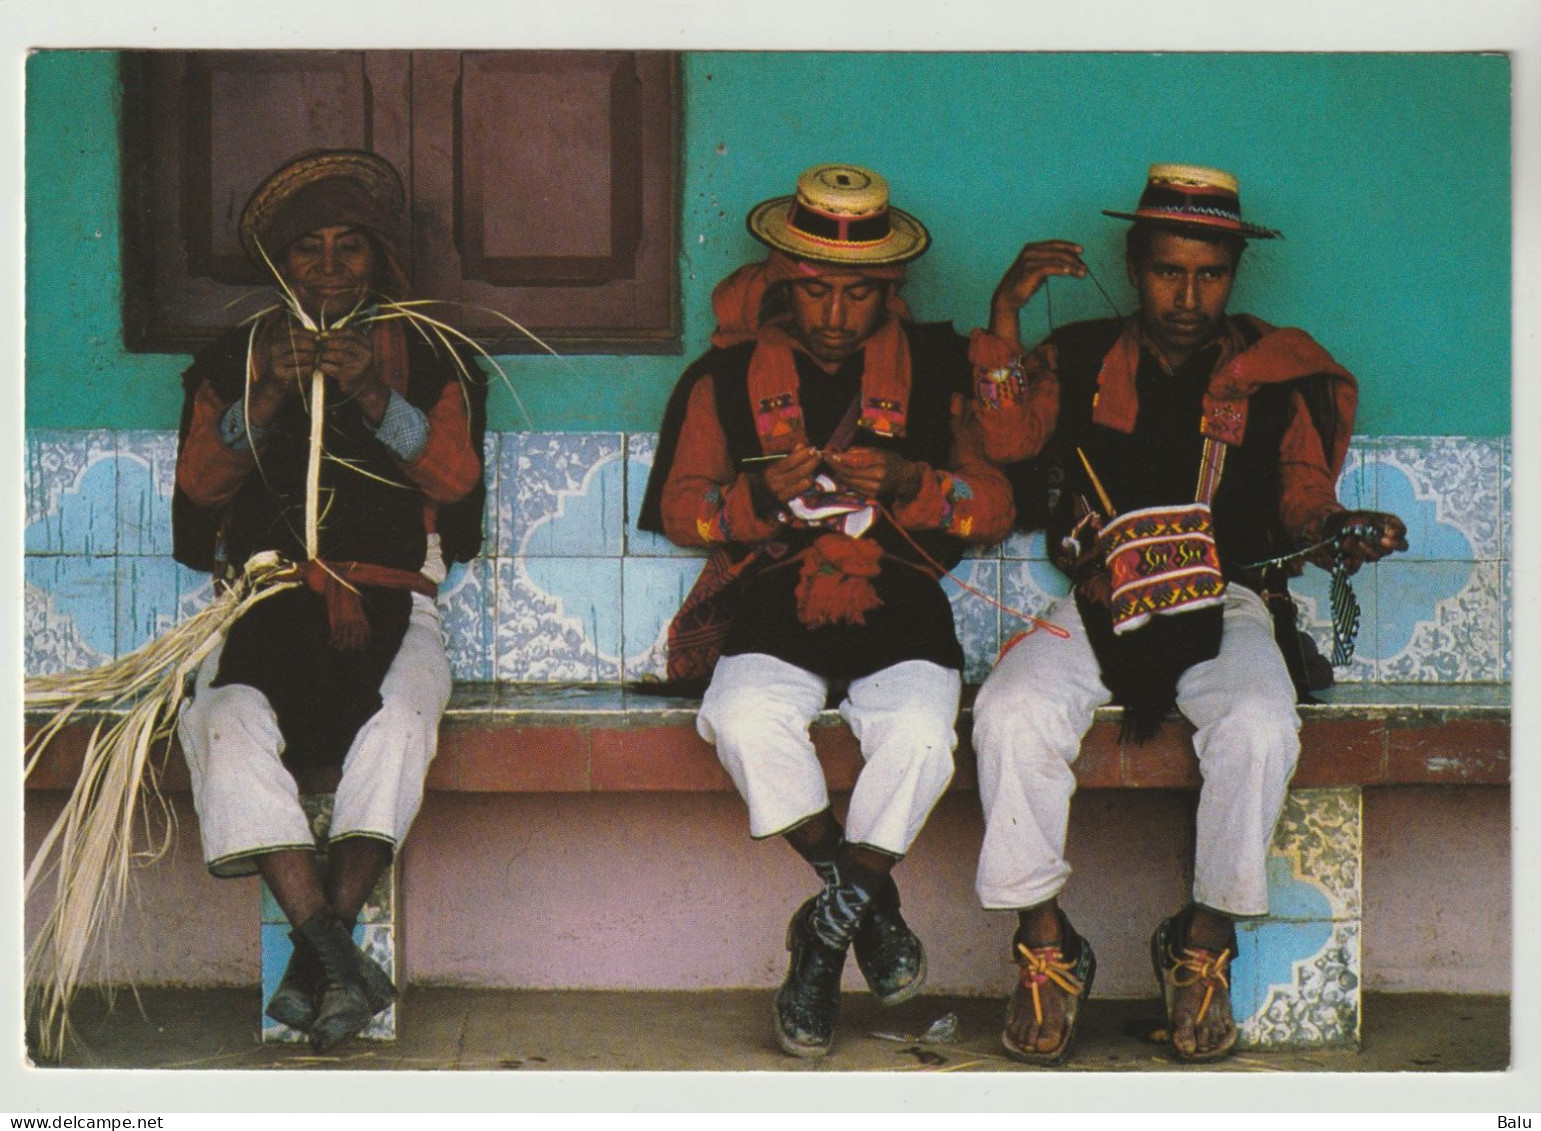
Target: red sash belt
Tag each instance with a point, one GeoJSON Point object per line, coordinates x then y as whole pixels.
{"type": "Point", "coordinates": [338, 582]}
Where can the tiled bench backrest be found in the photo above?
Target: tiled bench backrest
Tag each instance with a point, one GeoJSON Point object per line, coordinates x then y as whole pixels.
{"type": "Point", "coordinates": [568, 590]}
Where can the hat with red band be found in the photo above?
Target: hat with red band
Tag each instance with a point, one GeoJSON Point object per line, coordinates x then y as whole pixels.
{"type": "Point", "coordinates": [1194, 196]}
{"type": "Point", "coordinates": [839, 214]}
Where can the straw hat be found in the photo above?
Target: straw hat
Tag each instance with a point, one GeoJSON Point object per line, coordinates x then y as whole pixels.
{"type": "Point", "coordinates": [1196, 196]}
{"type": "Point", "coordinates": [840, 214]}
{"type": "Point", "coordinates": [318, 189]}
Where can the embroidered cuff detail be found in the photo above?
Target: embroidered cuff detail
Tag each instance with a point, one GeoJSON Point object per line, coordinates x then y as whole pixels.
{"type": "Point", "coordinates": [233, 431]}
{"type": "Point", "coordinates": [1001, 386]}
{"type": "Point", "coordinates": [403, 429]}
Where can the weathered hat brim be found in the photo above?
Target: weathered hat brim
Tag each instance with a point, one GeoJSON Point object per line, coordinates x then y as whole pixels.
{"type": "Point", "coordinates": [372, 173]}
{"type": "Point", "coordinates": [906, 240]}
{"type": "Point", "coordinates": [1241, 228]}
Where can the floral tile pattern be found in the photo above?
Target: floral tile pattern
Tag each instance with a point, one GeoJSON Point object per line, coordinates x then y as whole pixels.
{"type": "Point", "coordinates": [147, 600]}
{"type": "Point", "coordinates": [1356, 486]}
{"type": "Point", "coordinates": [1459, 641]}
{"type": "Point", "coordinates": [640, 449]}
{"type": "Point", "coordinates": [653, 589]}
{"type": "Point", "coordinates": [1506, 658]}
{"type": "Point", "coordinates": [70, 611]}
{"type": "Point", "coordinates": [465, 615]}
{"type": "Point", "coordinates": [1505, 497]}
{"type": "Point", "coordinates": [147, 467]}
{"type": "Point", "coordinates": [1305, 991]}
{"type": "Point", "coordinates": [560, 494]}
{"type": "Point", "coordinates": [71, 493]}
{"type": "Point", "coordinates": [1448, 491]}
{"type": "Point", "coordinates": [1439, 613]}
{"type": "Point", "coordinates": [558, 619]}
{"type": "Point", "coordinates": [1318, 836]}
{"type": "Point", "coordinates": [975, 615]}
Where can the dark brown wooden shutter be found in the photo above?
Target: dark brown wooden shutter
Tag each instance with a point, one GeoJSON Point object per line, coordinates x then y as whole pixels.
{"type": "Point", "coordinates": [541, 184]}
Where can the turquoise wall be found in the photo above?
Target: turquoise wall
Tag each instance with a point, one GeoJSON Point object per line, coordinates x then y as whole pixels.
{"type": "Point", "coordinates": [1389, 175]}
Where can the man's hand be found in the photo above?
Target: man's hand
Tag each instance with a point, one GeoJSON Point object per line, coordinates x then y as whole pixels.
{"type": "Point", "coordinates": [1027, 273]}
{"type": "Point", "coordinates": [873, 473]}
{"type": "Point", "coordinates": [347, 357]}
{"type": "Point", "coordinates": [1371, 535]}
{"type": "Point", "coordinates": [784, 479]}
{"type": "Point", "coordinates": [286, 357]}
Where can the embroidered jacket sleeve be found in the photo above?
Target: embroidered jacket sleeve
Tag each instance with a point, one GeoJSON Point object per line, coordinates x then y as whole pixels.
{"type": "Point", "coordinates": [209, 470]}
{"type": "Point", "coordinates": [970, 498]}
{"type": "Point", "coordinates": [1307, 487]}
{"type": "Point", "coordinates": [448, 466]}
{"type": "Point", "coordinates": [1016, 398]}
{"type": "Point", "coordinates": [211, 466]}
{"type": "Point", "coordinates": [705, 500]}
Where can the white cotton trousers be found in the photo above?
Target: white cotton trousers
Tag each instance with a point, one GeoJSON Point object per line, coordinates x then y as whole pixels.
{"type": "Point", "coordinates": [757, 712]}
{"type": "Point", "coordinates": [248, 803]}
{"type": "Point", "coordinates": [1036, 707]}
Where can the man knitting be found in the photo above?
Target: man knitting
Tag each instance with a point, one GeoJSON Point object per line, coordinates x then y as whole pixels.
{"type": "Point", "coordinates": [347, 668]}
{"type": "Point", "coordinates": [824, 450]}
{"type": "Point", "coordinates": [1185, 449]}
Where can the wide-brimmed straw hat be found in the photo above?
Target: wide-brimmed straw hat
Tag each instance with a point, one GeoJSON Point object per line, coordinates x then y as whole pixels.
{"type": "Point", "coordinates": [1195, 196]}
{"type": "Point", "coordinates": [318, 189]}
{"type": "Point", "coordinates": [839, 214]}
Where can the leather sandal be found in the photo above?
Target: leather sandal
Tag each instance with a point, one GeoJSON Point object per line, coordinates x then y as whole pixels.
{"type": "Point", "coordinates": [1180, 966]}
{"type": "Point", "coordinates": [1047, 969]}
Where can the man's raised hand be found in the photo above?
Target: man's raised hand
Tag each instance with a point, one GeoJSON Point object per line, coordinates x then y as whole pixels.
{"type": "Point", "coordinates": [1027, 273]}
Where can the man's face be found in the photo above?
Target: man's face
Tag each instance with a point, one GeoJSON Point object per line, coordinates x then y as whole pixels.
{"type": "Point", "coordinates": [834, 314]}
{"type": "Point", "coordinates": [1184, 285]}
{"type": "Point", "coordinates": [330, 270]}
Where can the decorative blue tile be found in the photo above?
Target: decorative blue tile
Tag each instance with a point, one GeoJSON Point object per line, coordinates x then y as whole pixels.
{"type": "Point", "coordinates": [640, 448]}
{"type": "Point", "coordinates": [1356, 486]}
{"type": "Point", "coordinates": [558, 619]}
{"type": "Point", "coordinates": [560, 494]}
{"type": "Point", "coordinates": [195, 589]}
{"type": "Point", "coordinates": [1440, 622]}
{"type": "Point", "coordinates": [1505, 498]}
{"type": "Point", "coordinates": [147, 467]}
{"type": "Point", "coordinates": [71, 493]}
{"type": "Point", "coordinates": [1025, 547]}
{"type": "Point", "coordinates": [147, 603]}
{"type": "Point", "coordinates": [492, 470]}
{"type": "Point", "coordinates": [1506, 659]}
{"type": "Point", "coordinates": [1312, 600]}
{"type": "Point", "coordinates": [70, 609]}
{"type": "Point", "coordinates": [1314, 861]}
{"type": "Point", "coordinates": [1029, 587]}
{"type": "Point", "coordinates": [1448, 490]}
{"type": "Point", "coordinates": [465, 614]}
{"type": "Point", "coordinates": [653, 591]}
{"type": "Point", "coordinates": [977, 620]}
{"type": "Point", "coordinates": [1297, 985]}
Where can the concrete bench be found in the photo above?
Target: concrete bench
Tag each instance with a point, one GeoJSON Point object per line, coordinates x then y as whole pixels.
{"type": "Point", "coordinates": [1298, 973]}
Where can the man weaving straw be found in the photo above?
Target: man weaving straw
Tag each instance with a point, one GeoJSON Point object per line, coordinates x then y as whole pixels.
{"type": "Point", "coordinates": [329, 466]}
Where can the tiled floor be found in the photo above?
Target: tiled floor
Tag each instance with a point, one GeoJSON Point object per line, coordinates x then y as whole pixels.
{"type": "Point", "coordinates": [729, 1031]}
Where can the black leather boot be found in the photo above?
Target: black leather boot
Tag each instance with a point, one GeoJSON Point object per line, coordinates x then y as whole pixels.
{"type": "Point", "coordinates": [808, 1003]}
{"type": "Point", "coordinates": [294, 1001]}
{"type": "Point", "coordinates": [354, 988]}
{"type": "Point", "coordinates": [890, 955]}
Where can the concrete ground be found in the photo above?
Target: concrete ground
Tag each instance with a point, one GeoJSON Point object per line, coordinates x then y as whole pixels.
{"type": "Point", "coordinates": [729, 1030]}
